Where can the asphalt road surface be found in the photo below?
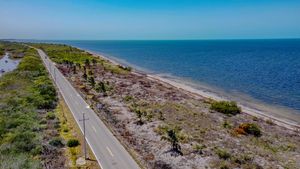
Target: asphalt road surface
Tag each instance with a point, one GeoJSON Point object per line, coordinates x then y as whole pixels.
{"type": "Point", "coordinates": [109, 152]}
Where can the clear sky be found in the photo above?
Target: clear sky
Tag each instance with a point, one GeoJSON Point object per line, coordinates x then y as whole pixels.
{"type": "Point", "coordinates": [149, 19]}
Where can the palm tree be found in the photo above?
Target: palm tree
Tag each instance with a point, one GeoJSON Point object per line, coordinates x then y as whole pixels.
{"type": "Point", "coordinates": [92, 81]}
{"type": "Point", "coordinates": [78, 65]}
{"type": "Point", "coordinates": [171, 137]}
{"type": "Point", "coordinates": [139, 115]}
{"type": "Point", "coordinates": [87, 62]}
{"type": "Point", "coordinates": [74, 69]}
{"type": "Point", "coordinates": [94, 61]}
{"type": "Point", "coordinates": [84, 76]}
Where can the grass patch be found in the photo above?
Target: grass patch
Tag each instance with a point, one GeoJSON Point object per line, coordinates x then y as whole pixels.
{"type": "Point", "coordinates": [223, 154]}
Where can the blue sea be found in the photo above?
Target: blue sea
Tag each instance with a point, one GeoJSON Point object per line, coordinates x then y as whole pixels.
{"type": "Point", "coordinates": [267, 71]}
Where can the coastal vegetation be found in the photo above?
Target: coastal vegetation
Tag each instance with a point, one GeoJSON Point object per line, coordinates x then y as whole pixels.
{"type": "Point", "coordinates": [73, 143]}
{"type": "Point", "coordinates": [26, 96]}
{"type": "Point", "coordinates": [226, 107]}
{"type": "Point", "coordinates": [154, 119]}
{"type": "Point", "coordinates": [171, 136]}
{"type": "Point", "coordinates": [34, 123]}
{"type": "Point", "coordinates": [78, 58]}
{"type": "Point", "coordinates": [15, 50]}
{"type": "Point", "coordinates": [248, 128]}
{"type": "Point", "coordinates": [1, 50]}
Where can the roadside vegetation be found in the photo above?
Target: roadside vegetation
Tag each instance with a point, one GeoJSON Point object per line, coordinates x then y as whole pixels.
{"type": "Point", "coordinates": [26, 97]}
{"type": "Point", "coordinates": [36, 130]}
{"type": "Point", "coordinates": [2, 50]}
{"type": "Point", "coordinates": [72, 139]}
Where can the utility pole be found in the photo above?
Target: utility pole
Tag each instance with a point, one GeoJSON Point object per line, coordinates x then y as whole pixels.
{"type": "Point", "coordinates": [84, 139]}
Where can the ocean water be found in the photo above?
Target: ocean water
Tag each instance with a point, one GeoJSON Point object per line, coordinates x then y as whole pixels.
{"type": "Point", "coordinates": [266, 70]}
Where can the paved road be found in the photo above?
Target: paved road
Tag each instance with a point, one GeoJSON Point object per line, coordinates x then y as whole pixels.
{"type": "Point", "coordinates": [109, 152]}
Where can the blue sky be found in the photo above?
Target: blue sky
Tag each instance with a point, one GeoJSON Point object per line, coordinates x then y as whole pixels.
{"type": "Point", "coordinates": [149, 19]}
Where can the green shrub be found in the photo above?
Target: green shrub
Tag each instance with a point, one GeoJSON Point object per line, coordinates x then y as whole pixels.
{"type": "Point", "coordinates": [56, 142]}
{"type": "Point", "coordinates": [248, 128]}
{"type": "Point", "coordinates": [24, 141]}
{"type": "Point", "coordinates": [224, 166]}
{"type": "Point", "coordinates": [73, 143]}
{"type": "Point", "coordinates": [128, 98]}
{"type": "Point", "coordinates": [251, 128]}
{"type": "Point", "coordinates": [161, 129]}
{"type": "Point", "coordinates": [1, 52]}
{"type": "Point", "coordinates": [198, 148]}
{"type": "Point", "coordinates": [242, 159]}
{"type": "Point", "coordinates": [223, 154]}
{"type": "Point", "coordinates": [37, 150]}
{"type": "Point", "coordinates": [50, 116]}
{"type": "Point", "coordinates": [43, 121]}
{"type": "Point", "coordinates": [229, 108]}
{"type": "Point", "coordinates": [227, 124]}
{"type": "Point", "coordinates": [126, 68]}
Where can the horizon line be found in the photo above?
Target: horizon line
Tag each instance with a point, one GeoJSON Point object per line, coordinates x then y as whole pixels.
{"type": "Point", "coordinates": [37, 39]}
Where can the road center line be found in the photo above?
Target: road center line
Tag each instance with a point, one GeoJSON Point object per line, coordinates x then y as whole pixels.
{"type": "Point", "coordinates": [109, 151]}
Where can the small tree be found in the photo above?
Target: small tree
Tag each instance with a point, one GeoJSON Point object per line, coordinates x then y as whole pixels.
{"type": "Point", "coordinates": [74, 69]}
{"type": "Point", "coordinates": [92, 81]}
{"type": "Point", "coordinates": [100, 87]}
{"type": "Point", "coordinates": [171, 137]}
{"type": "Point", "coordinates": [78, 65]}
{"type": "Point", "coordinates": [139, 113]}
{"type": "Point", "coordinates": [161, 116]}
{"type": "Point", "coordinates": [84, 68]}
{"type": "Point", "coordinates": [71, 63]}
{"type": "Point", "coordinates": [87, 62]}
{"type": "Point", "coordinates": [84, 76]}
{"type": "Point", "coordinates": [94, 61]}
{"type": "Point", "coordinates": [90, 72]}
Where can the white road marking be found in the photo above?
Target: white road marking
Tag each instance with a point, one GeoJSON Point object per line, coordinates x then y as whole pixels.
{"type": "Point", "coordinates": [94, 128]}
{"type": "Point", "coordinates": [109, 151]}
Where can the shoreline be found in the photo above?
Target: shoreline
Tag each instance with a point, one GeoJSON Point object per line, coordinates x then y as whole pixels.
{"type": "Point", "coordinates": [286, 121]}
